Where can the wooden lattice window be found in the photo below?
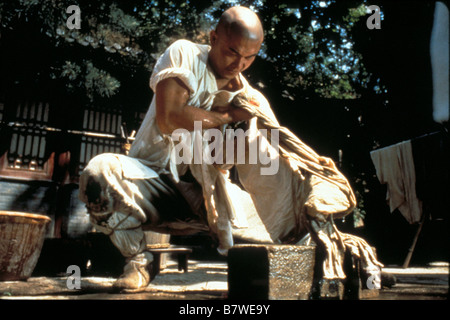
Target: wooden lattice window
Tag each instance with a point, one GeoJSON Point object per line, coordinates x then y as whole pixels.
{"type": "Point", "coordinates": [101, 134]}
{"type": "Point", "coordinates": [27, 156]}
{"type": "Point", "coordinates": [33, 135]}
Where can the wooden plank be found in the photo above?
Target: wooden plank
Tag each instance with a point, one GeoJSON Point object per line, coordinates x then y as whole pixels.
{"type": "Point", "coordinates": [52, 286]}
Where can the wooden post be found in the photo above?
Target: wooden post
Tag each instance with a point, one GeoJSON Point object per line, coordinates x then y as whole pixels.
{"type": "Point", "coordinates": [411, 249]}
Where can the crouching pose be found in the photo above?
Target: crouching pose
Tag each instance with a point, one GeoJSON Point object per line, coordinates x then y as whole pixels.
{"type": "Point", "coordinates": [149, 190]}
{"type": "Point", "coordinates": [123, 193]}
{"type": "Point", "coordinates": [125, 198]}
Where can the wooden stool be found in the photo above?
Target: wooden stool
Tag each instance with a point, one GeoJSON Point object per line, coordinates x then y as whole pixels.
{"type": "Point", "coordinates": [182, 256]}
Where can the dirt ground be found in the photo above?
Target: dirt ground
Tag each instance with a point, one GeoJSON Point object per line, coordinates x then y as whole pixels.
{"type": "Point", "coordinates": [207, 280]}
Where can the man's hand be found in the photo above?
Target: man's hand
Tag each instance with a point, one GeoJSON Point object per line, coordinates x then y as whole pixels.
{"type": "Point", "coordinates": [173, 112]}
{"type": "Point", "coordinates": [235, 113]}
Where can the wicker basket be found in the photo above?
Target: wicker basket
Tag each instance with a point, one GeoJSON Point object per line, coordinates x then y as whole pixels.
{"type": "Point", "coordinates": [21, 238]}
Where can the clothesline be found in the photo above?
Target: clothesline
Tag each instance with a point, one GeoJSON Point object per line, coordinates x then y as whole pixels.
{"type": "Point", "coordinates": [410, 139]}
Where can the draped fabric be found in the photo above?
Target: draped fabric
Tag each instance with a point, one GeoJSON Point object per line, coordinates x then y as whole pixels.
{"type": "Point", "coordinates": [312, 169]}
{"type": "Point", "coordinates": [395, 167]}
{"type": "Point", "coordinates": [301, 156]}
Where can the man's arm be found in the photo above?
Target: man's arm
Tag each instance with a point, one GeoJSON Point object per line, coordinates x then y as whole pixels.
{"type": "Point", "coordinates": [173, 112]}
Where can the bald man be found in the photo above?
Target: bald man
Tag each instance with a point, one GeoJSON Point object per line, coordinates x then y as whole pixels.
{"type": "Point", "coordinates": [234, 46]}
{"type": "Point", "coordinates": [149, 188]}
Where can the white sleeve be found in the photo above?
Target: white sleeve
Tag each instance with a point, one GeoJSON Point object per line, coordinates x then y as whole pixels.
{"type": "Point", "coordinates": [177, 61]}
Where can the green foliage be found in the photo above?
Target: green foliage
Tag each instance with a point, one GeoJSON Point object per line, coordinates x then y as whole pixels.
{"type": "Point", "coordinates": [310, 44]}
{"type": "Point", "coordinates": [99, 81]}
{"type": "Point", "coordinates": [126, 23]}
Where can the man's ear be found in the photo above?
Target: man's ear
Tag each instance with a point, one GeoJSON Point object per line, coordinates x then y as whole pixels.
{"type": "Point", "coordinates": [212, 37]}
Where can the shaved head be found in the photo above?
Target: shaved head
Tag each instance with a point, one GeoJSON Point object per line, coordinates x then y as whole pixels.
{"type": "Point", "coordinates": [235, 43]}
{"type": "Point", "coordinates": [242, 22]}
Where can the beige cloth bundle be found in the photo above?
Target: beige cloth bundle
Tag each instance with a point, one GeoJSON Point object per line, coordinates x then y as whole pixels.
{"type": "Point", "coordinates": [301, 156]}
{"type": "Point", "coordinates": [303, 160]}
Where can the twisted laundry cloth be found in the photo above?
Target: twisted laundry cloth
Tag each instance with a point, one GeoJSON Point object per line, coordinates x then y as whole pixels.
{"type": "Point", "coordinates": [310, 166]}
{"type": "Point", "coordinates": [300, 156]}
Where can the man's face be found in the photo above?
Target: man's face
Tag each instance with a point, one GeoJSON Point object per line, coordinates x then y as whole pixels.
{"type": "Point", "coordinates": [231, 54]}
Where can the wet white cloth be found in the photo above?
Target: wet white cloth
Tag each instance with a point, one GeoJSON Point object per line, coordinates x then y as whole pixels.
{"type": "Point", "coordinates": [395, 167]}
{"type": "Point", "coordinates": [336, 243]}
{"type": "Point", "coordinates": [304, 196]}
{"type": "Point", "coordinates": [310, 184]}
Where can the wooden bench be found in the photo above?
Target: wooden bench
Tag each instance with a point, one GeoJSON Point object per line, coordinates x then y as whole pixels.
{"type": "Point", "coordinates": [182, 257]}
